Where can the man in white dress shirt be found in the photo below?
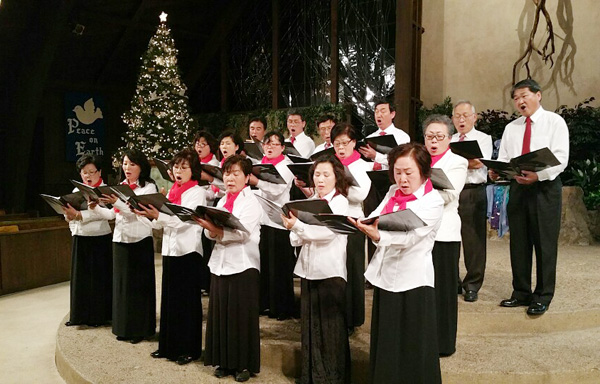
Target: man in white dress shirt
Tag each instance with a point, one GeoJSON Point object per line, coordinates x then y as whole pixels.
{"type": "Point", "coordinates": [384, 116]}
{"type": "Point", "coordinates": [295, 124]}
{"type": "Point", "coordinates": [472, 207]}
{"type": "Point", "coordinates": [534, 206]}
{"type": "Point", "coordinates": [257, 128]}
{"type": "Point", "coordinates": [324, 125]}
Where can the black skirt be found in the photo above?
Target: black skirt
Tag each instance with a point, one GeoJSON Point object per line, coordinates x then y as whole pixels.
{"type": "Point", "coordinates": [232, 331]}
{"type": "Point", "coordinates": [404, 345]}
{"type": "Point", "coordinates": [355, 288]}
{"type": "Point", "coordinates": [445, 264]}
{"type": "Point", "coordinates": [277, 263]}
{"type": "Point", "coordinates": [91, 280]}
{"type": "Point", "coordinates": [207, 247]}
{"type": "Point", "coordinates": [134, 289]}
{"type": "Point", "coordinates": [325, 346]}
{"type": "Point", "coordinates": [181, 307]}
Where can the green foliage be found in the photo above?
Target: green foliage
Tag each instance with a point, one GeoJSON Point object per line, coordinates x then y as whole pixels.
{"type": "Point", "coordinates": [159, 123]}
{"type": "Point", "coordinates": [584, 122]}
{"type": "Point", "coordinates": [216, 123]}
{"type": "Point", "coordinates": [445, 108]}
{"type": "Point", "coordinates": [586, 174]}
{"type": "Point", "coordinates": [493, 122]}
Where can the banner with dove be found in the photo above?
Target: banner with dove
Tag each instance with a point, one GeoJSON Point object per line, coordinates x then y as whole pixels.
{"type": "Point", "coordinates": [84, 124]}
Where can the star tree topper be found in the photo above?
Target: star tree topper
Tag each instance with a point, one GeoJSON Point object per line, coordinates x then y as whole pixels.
{"type": "Point", "coordinates": [163, 17]}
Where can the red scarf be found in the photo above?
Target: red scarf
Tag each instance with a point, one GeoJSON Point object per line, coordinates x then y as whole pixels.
{"type": "Point", "coordinates": [178, 190]}
{"type": "Point", "coordinates": [274, 161]}
{"type": "Point", "coordinates": [350, 159]}
{"type": "Point", "coordinates": [436, 158]}
{"type": "Point", "coordinates": [230, 199]}
{"type": "Point", "coordinates": [207, 159]}
{"type": "Point", "coordinates": [132, 186]}
{"type": "Point", "coordinates": [400, 199]}
{"type": "Point", "coordinates": [222, 162]}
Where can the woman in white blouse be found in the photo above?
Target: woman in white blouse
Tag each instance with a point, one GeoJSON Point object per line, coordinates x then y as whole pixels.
{"type": "Point", "coordinates": [277, 257]}
{"type": "Point", "coordinates": [134, 284]}
{"type": "Point", "coordinates": [404, 346]}
{"type": "Point", "coordinates": [180, 337]}
{"type": "Point", "coordinates": [322, 269]}
{"type": "Point", "coordinates": [344, 137]}
{"type": "Point", "coordinates": [438, 132]}
{"type": "Point", "coordinates": [232, 329]}
{"type": "Point", "coordinates": [91, 256]}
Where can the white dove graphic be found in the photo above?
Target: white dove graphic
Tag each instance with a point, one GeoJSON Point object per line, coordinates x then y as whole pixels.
{"type": "Point", "coordinates": [89, 113]}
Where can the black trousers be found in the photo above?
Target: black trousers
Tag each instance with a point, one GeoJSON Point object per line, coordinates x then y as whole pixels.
{"type": "Point", "coordinates": [404, 346]}
{"type": "Point", "coordinates": [472, 210]}
{"type": "Point", "coordinates": [355, 287]}
{"type": "Point", "coordinates": [534, 219]}
{"type": "Point", "coordinates": [445, 263]}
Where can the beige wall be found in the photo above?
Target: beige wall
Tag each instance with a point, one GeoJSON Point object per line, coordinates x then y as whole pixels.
{"type": "Point", "coordinates": [470, 47]}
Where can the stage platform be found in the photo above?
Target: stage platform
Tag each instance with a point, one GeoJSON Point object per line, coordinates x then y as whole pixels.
{"type": "Point", "coordinates": [495, 345]}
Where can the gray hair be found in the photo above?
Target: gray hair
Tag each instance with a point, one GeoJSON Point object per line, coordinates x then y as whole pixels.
{"type": "Point", "coordinates": [460, 102]}
{"type": "Point", "coordinates": [439, 119]}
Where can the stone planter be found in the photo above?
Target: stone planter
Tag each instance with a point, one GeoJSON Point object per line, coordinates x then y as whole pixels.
{"type": "Point", "coordinates": [574, 228]}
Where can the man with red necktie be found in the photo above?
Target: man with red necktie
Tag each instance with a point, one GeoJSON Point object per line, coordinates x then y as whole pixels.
{"type": "Point", "coordinates": [472, 207]}
{"type": "Point", "coordinates": [535, 202]}
{"type": "Point", "coordinates": [303, 143]}
{"type": "Point", "coordinates": [384, 116]}
{"type": "Point", "coordinates": [325, 124]}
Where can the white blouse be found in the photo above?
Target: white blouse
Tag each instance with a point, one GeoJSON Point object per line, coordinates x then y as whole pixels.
{"type": "Point", "coordinates": [91, 223]}
{"type": "Point", "coordinates": [303, 144]}
{"type": "Point", "coordinates": [403, 260]}
{"type": "Point", "coordinates": [238, 251]}
{"type": "Point", "coordinates": [323, 253]}
{"type": "Point", "coordinates": [210, 194]}
{"type": "Point", "coordinates": [400, 136]}
{"type": "Point", "coordinates": [356, 195]}
{"type": "Point", "coordinates": [277, 193]}
{"type": "Point", "coordinates": [181, 238]}
{"type": "Point", "coordinates": [128, 229]}
{"type": "Point", "coordinates": [455, 167]}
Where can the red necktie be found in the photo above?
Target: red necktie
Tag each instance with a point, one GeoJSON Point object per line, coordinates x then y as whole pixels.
{"type": "Point", "coordinates": [462, 137]}
{"type": "Point", "coordinates": [382, 133]}
{"type": "Point", "coordinates": [526, 136]}
{"type": "Point", "coordinates": [292, 139]}
{"type": "Point", "coordinates": [327, 145]}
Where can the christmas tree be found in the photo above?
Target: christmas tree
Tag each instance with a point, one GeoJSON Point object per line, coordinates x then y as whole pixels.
{"type": "Point", "coordinates": [159, 121]}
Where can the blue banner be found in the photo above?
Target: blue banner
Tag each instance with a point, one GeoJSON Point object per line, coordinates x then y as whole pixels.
{"type": "Point", "coordinates": [84, 124]}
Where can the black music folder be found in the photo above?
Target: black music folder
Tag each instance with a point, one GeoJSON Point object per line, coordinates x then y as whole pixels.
{"type": "Point", "coordinates": [468, 149]}
{"type": "Point", "coordinates": [381, 180]}
{"type": "Point", "coordinates": [300, 170]}
{"type": "Point", "coordinates": [163, 167]}
{"type": "Point", "coordinates": [213, 170]}
{"type": "Point", "coordinates": [253, 149]}
{"type": "Point", "coordinates": [533, 161]}
{"type": "Point", "coordinates": [157, 200]}
{"type": "Point", "coordinates": [401, 221]}
{"type": "Point", "coordinates": [268, 172]}
{"type": "Point", "coordinates": [304, 210]}
{"type": "Point", "coordinates": [290, 149]}
{"type": "Point", "coordinates": [77, 200]}
{"type": "Point", "coordinates": [123, 191]}
{"type": "Point", "coordinates": [219, 216]}
{"type": "Point", "coordinates": [324, 153]}
{"type": "Point", "coordinates": [382, 144]}
{"type": "Point", "coordinates": [439, 180]}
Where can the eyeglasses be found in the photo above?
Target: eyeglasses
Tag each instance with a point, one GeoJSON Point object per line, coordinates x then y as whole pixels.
{"type": "Point", "coordinates": [464, 116]}
{"type": "Point", "coordinates": [325, 129]}
{"type": "Point", "coordinates": [438, 137]}
{"type": "Point", "coordinates": [271, 144]}
{"type": "Point", "coordinates": [341, 144]}
{"type": "Point", "coordinates": [201, 144]}
{"type": "Point", "coordinates": [90, 173]}
{"type": "Point", "coordinates": [180, 167]}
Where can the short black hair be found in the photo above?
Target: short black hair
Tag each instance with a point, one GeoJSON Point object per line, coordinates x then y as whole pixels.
{"type": "Point", "coordinates": [385, 100]}
{"type": "Point", "coordinates": [295, 112]}
{"type": "Point", "coordinates": [277, 134]}
{"type": "Point", "coordinates": [237, 140]}
{"type": "Point", "coordinates": [86, 159]}
{"type": "Point", "coordinates": [191, 157]}
{"type": "Point", "coordinates": [245, 164]}
{"type": "Point", "coordinates": [347, 129]}
{"type": "Point", "coordinates": [260, 119]}
{"type": "Point", "coordinates": [210, 139]}
{"type": "Point", "coordinates": [527, 83]}
{"type": "Point", "coordinates": [419, 154]}
{"type": "Point", "coordinates": [324, 118]}
{"type": "Point", "coordinates": [138, 157]}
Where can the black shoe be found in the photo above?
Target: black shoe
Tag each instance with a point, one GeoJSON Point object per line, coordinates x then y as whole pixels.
{"type": "Point", "coordinates": [537, 308]}
{"type": "Point", "coordinates": [459, 290]}
{"type": "Point", "coordinates": [281, 317]}
{"type": "Point", "coordinates": [471, 296]}
{"type": "Point", "coordinates": [350, 331]}
{"type": "Point", "coordinates": [183, 360]}
{"type": "Point", "coordinates": [156, 354]}
{"type": "Point", "coordinates": [70, 324]}
{"type": "Point", "coordinates": [512, 302]}
{"type": "Point", "coordinates": [122, 338]}
{"type": "Point", "coordinates": [242, 376]}
{"type": "Point", "coordinates": [222, 372]}
{"type": "Point", "coordinates": [136, 340]}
